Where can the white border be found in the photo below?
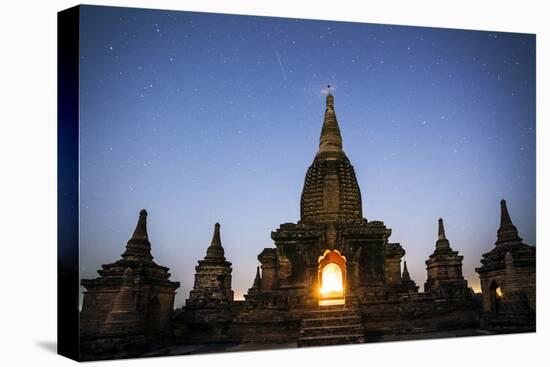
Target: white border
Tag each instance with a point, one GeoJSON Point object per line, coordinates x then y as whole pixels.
{"type": "Point", "coordinates": [28, 180]}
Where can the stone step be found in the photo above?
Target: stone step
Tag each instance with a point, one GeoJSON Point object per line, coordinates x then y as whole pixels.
{"type": "Point", "coordinates": [332, 331]}
{"type": "Point", "coordinates": [321, 313]}
{"type": "Point", "coordinates": [332, 325]}
{"type": "Point", "coordinates": [331, 340]}
{"type": "Point", "coordinates": [347, 306]}
{"type": "Point", "coordinates": [332, 321]}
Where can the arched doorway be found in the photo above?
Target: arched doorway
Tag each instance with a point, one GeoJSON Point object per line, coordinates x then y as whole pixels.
{"type": "Point", "coordinates": [332, 278]}
{"type": "Point", "coordinates": [496, 295]}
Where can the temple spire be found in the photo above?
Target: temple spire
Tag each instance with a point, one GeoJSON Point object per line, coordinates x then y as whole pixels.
{"type": "Point", "coordinates": [504, 215]}
{"type": "Point", "coordinates": [441, 230]}
{"type": "Point", "coordinates": [254, 291]}
{"type": "Point", "coordinates": [139, 246]}
{"type": "Point", "coordinates": [257, 278]}
{"type": "Point", "coordinates": [215, 250]}
{"type": "Point", "coordinates": [216, 240]}
{"type": "Point", "coordinates": [406, 276]}
{"type": "Point", "coordinates": [330, 98]}
{"type": "Point", "coordinates": [330, 143]}
{"type": "Point", "coordinates": [442, 243]}
{"type": "Point", "coordinates": [140, 233]}
{"type": "Point", "coordinates": [507, 232]}
{"type": "Point", "coordinates": [212, 276]}
{"type": "Point", "coordinates": [407, 284]}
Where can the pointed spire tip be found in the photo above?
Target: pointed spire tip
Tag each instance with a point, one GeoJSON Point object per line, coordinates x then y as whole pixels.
{"type": "Point", "coordinates": [215, 250]}
{"type": "Point", "coordinates": [507, 232]}
{"type": "Point", "coordinates": [330, 101]}
{"type": "Point", "coordinates": [441, 229]}
{"type": "Point", "coordinates": [330, 141]}
{"type": "Point", "coordinates": [405, 275]}
{"type": "Point", "coordinates": [216, 236]}
{"type": "Point", "coordinates": [140, 233]}
{"type": "Point", "coordinates": [504, 215]}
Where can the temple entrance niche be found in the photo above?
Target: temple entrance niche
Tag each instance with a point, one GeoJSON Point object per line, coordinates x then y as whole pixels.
{"type": "Point", "coordinates": [496, 295]}
{"type": "Point", "coordinates": [332, 278]}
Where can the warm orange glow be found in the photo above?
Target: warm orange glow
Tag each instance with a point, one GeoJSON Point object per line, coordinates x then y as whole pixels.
{"type": "Point", "coordinates": [332, 283]}
{"type": "Point", "coordinates": [499, 292]}
{"type": "Point", "coordinates": [332, 278]}
{"type": "Point", "coordinates": [332, 302]}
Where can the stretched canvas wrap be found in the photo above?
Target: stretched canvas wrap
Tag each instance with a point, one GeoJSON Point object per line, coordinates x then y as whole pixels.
{"type": "Point", "coordinates": [232, 183]}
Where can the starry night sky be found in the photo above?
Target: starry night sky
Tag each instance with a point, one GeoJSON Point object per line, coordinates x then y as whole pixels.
{"type": "Point", "coordinates": [202, 118]}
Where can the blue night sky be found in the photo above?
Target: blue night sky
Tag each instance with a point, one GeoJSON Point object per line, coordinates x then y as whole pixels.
{"type": "Point", "coordinates": [204, 118]}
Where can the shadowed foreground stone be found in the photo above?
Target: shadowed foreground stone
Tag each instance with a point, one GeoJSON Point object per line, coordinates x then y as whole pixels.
{"type": "Point", "coordinates": [129, 306]}
{"type": "Point", "coordinates": [508, 278]}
